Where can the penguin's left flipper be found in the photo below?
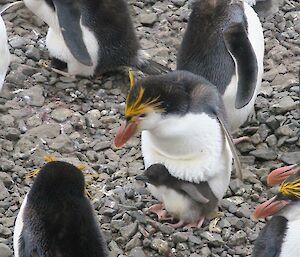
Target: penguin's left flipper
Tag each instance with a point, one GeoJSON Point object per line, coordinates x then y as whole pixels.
{"type": "Point", "coordinates": [192, 191]}
{"type": "Point", "coordinates": [240, 48]}
{"type": "Point", "coordinates": [69, 21]}
{"type": "Point", "coordinates": [151, 67]}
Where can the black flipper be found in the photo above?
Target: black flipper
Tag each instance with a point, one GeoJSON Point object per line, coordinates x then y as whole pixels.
{"type": "Point", "coordinates": [69, 21]}
{"type": "Point", "coordinates": [151, 67]}
{"type": "Point", "coordinates": [269, 241]}
{"type": "Point", "coordinates": [240, 48]}
{"type": "Point", "coordinates": [193, 192]}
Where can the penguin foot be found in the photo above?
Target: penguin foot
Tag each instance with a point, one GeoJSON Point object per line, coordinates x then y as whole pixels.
{"type": "Point", "coordinates": [158, 209]}
{"type": "Point", "coordinates": [63, 73]}
{"type": "Point", "coordinates": [179, 224]}
{"type": "Point", "coordinates": [240, 139]}
{"type": "Point", "coordinates": [197, 224]}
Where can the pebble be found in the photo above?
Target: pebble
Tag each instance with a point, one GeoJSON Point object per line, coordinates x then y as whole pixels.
{"type": "Point", "coordinates": [5, 251]}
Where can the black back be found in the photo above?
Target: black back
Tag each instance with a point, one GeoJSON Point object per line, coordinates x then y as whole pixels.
{"type": "Point", "coordinates": [203, 49]}
{"type": "Point", "coordinates": [270, 239]}
{"type": "Point", "coordinates": [58, 218]}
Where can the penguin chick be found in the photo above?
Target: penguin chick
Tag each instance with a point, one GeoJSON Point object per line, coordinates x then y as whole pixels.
{"type": "Point", "coordinates": [277, 176]}
{"type": "Point", "coordinates": [56, 219]}
{"type": "Point", "coordinates": [4, 53]}
{"type": "Point", "coordinates": [280, 235]}
{"type": "Point", "coordinates": [224, 43]}
{"type": "Point", "coordinates": [182, 119]}
{"type": "Point", "coordinates": [186, 201]}
{"type": "Point", "coordinates": [92, 37]}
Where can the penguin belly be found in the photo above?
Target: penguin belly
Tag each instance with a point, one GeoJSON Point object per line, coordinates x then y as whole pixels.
{"type": "Point", "coordinates": [238, 117]}
{"type": "Point", "coordinates": [58, 49]}
{"type": "Point", "coordinates": [4, 53]}
{"type": "Point", "coordinates": [290, 245]}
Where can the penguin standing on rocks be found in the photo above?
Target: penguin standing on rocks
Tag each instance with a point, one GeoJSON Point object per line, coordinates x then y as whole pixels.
{"type": "Point", "coordinates": [56, 218]}
{"type": "Point", "coordinates": [280, 236]}
{"type": "Point", "coordinates": [224, 43]}
{"type": "Point", "coordinates": [183, 124]}
{"type": "Point", "coordinates": [186, 201]}
{"type": "Point", "coordinates": [91, 37]}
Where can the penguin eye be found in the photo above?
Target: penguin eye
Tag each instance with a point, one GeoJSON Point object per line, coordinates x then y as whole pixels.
{"type": "Point", "coordinates": [143, 115]}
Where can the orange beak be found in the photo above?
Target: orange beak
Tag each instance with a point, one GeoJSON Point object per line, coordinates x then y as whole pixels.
{"type": "Point", "coordinates": [125, 132]}
{"type": "Point", "coordinates": [269, 208]}
{"type": "Point", "coordinates": [276, 177]}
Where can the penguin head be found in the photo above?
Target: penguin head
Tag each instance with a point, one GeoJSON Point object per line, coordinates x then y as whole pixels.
{"type": "Point", "coordinates": [58, 177]}
{"type": "Point", "coordinates": [288, 196]}
{"type": "Point", "coordinates": [154, 98]}
{"type": "Point", "coordinates": [277, 176]}
{"type": "Point", "coordinates": [156, 174]}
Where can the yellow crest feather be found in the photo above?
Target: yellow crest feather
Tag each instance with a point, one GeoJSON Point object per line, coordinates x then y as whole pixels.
{"type": "Point", "coordinates": [131, 78]}
{"type": "Point", "coordinates": [290, 188]}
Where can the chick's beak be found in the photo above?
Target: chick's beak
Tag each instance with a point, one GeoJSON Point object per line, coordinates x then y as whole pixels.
{"type": "Point", "coordinates": [276, 177]}
{"type": "Point", "coordinates": [269, 208]}
{"type": "Point", "coordinates": [142, 178]}
{"type": "Point", "coordinates": [125, 132]}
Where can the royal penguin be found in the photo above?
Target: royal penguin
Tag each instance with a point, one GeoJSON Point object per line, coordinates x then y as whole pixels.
{"type": "Point", "coordinates": [280, 236]}
{"type": "Point", "coordinates": [4, 53]}
{"type": "Point", "coordinates": [56, 218]}
{"type": "Point", "coordinates": [92, 37]}
{"type": "Point", "coordinates": [224, 43]}
{"type": "Point", "coordinates": [186, 201]}
{"type": "Point", "coordinates": [183, 123]}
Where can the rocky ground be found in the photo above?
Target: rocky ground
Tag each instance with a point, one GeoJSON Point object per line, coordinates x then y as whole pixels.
{"type": "Point", "coordinates": [42, 113]}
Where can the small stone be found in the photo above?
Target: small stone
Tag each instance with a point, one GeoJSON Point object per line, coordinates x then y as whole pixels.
{"type": "Point", "coordinates": [34, 96]}
{"type": "Point", "coordinates": [290, 157]}
{"type": "Point", "coordinates": [33, 53]}
{"type": "Point", "coordinates": [62, 144]}
{"type": "Point", "coordinates": [213, 238]}
{"type": "Point", "coordinates": [264, 154]}
{"type": "Point", "coordinates": [160, 245]}
{"type": "Point", "coordinates": [93, 118]}
{"type": "Point", "coordinates": [137, 252]}
{"type": "Point", "coordinates": [5, 251]}
{"type": "Point", "coordinates": [134, 242]}
{"type": "Point", "coordinates": [148, 19]}
{"type": "Point", "coordinates": [3, 191]}
{"type": "Point", "coordinates": [115, 249]}
{"type": "Point", "coordinates": [128, 231]}
{"type": "Point", "coordinates": [285, 104]}
{"type": "Point", "coordinates": [179, 237]}
{"type": "Point", "coordinates": [61, 114]}
{"type": "Point", "coordinates": [238, 238]}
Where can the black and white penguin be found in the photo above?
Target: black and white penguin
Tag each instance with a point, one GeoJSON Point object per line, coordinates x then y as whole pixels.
{"type": "Point", "coordinates": [56, 218]}
{"type": "Point", "coordinates": [183, 124]}
{"type": "Point", "coordinates": [277, 176]}
{"type": "Point", "coordinates": [4, 52]}
{"type": "Point", "coordinates": [186, 201]}
{"type": "Point", "coordinates": [224, 43]}
{"type": "Point", "coordinates": [92, 36]}
{"type": "Point", "coordinates": [280, 236]}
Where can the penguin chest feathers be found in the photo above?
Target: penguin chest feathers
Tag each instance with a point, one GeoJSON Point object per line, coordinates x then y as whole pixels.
{"type": "Point", "coordinates": [192, 147]}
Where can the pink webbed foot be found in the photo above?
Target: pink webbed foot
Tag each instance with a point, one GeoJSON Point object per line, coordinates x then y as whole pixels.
{"type": "Point", "coordinates": [181, 223]}
{"type": "Point", "coordinates": [158, 209]}
{"type": "Point", "coordinates": [240, 139]}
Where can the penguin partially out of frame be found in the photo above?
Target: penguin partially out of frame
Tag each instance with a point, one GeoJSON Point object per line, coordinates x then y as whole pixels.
{"type": "Point", "coordinates": [92, 37]}
{"type": "Point", "coordinates": [224, 43]}
{"type": "Point", "coordinates": [280, 236]}
{"type": "Point", "coordinates": [56, 218]}
{"type": "Point", "coordinates": [183, 124]}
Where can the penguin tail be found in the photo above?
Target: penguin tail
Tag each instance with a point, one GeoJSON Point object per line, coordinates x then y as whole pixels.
{"type": "Point", "coordinates": [151, 67]}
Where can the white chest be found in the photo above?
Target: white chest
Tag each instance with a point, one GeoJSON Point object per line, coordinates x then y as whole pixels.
{"type": "Point", "coordinates": [290, 246]}
{"type": "Point", "coordinates": [19, 227]}
{"type": "Point", "coordinates": [192, 148]}
{"type": "Point", "coordinates": [4, 53]}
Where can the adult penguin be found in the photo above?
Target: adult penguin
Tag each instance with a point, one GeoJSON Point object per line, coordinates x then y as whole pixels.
{"type": "Point", "coordinates": [279, 237]}
{"type": "Point", "coordinates": [92, 36]}
{"type": "Point", "coordinates": [4, 52]}
{"type": "Point", "coordinates": [224, 43]}
{"type": "Point", "coordinates": [56, 218]}
{"type": "Point", "coordinates": [183, 123]}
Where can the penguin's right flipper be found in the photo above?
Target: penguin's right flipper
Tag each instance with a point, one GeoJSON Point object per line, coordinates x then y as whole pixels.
{"type": "Point", "coordinates": [241, 50]}
{"type": "Point", "coordinates": [69, 21]}
{"type": "Point", "coordinates": [151, 67]}
{"type": "Point", "coordinates": [193, 192]}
